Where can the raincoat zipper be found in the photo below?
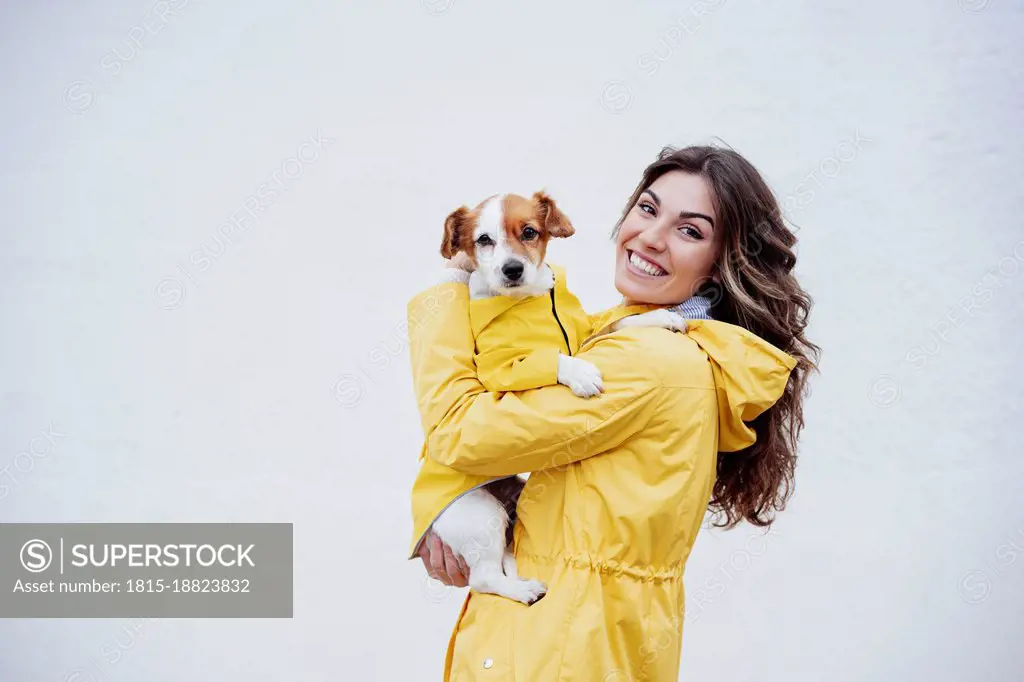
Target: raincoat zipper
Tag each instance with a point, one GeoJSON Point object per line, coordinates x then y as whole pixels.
{"type": "Point", "coordinates": [554, 312]}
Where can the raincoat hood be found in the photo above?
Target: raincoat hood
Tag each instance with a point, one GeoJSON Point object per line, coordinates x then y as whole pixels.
{"type": "Point", "coordinates": [750, 374]}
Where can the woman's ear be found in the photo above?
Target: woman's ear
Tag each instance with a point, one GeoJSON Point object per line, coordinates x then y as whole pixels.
{"type": "Point", "coordinates": [454, 225]}
{"type": "Point", "coordinates": [555, 222]}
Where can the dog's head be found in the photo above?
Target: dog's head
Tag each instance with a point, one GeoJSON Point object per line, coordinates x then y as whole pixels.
{"type": "Point", "coordinates": [506, 236]}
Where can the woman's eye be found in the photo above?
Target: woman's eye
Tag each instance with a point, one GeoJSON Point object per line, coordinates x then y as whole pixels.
{"type": "Point", "coordinates": [484, 240]}
{"type": "Point", "coordinates": [529, 233]}
{"type": "Point", "coordinates": [644, 206]}
{"type": "Point", "coordinates": [691, 231]}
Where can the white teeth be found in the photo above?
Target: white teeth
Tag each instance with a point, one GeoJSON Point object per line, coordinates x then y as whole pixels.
{"type": "Point", "coordinates": [649, 268]}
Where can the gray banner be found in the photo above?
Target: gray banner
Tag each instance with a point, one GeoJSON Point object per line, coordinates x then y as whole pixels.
{"type": "Point", "coordinates": [165, 570]}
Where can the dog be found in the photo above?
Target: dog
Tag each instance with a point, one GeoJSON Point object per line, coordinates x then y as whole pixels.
{"type": "Point", "coordinates": [520, 308]}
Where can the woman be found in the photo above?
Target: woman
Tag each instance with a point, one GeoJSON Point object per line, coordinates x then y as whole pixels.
{"type": "Point", "coordinates": [621, 482]}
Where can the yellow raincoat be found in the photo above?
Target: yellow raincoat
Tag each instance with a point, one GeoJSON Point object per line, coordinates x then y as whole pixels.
{"type": "Point", "coordinates": [619, 489]}
{"type": "Point", "coordinates": [539, 327]}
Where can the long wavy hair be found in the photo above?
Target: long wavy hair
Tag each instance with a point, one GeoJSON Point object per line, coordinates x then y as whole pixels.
{"type": "Point", "coordinates": [755, 289]}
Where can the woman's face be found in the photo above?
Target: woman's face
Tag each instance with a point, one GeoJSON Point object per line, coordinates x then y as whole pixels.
{"type": "Point", "coordinates": [667, 244]}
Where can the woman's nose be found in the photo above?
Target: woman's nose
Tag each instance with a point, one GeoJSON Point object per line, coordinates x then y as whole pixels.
{"type": "Point", "coordinates": [653, 238]}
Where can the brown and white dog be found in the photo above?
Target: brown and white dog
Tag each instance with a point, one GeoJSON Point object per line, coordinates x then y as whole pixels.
{"type": "Point", "coordinates": [505, 237]}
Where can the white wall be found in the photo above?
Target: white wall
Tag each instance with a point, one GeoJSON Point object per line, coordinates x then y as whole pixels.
{"type": "Point", "coordinates": [208, 397]}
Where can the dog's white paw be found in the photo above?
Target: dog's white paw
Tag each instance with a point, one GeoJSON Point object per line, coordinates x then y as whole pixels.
{"type": "Point", "coordinates": [664, 318]}
{"type": "Point", "coordinates": [582, 377]}
{"type": "Point", "coordinates": [527, 591]}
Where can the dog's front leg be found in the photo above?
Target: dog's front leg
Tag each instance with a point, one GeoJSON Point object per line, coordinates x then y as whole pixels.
{"type": "Point", "coordinates": [584, 378]}
{"type": "Point", "coordinates": [663, 317]}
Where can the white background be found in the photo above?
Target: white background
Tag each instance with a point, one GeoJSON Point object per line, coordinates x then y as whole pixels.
{"type": "Point", "coordinates": [213, 396]}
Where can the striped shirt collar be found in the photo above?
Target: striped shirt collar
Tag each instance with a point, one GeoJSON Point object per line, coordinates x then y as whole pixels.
{"type": "Point", "coordinates": [694, 308]}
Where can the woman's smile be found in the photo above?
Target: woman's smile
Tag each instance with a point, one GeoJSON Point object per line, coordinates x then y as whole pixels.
{"type": "Point", "coordinates": [643, 267]}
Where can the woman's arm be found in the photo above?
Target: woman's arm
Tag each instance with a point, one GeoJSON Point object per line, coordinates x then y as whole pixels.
{"type": "Point", "coordinates": [498, 434]}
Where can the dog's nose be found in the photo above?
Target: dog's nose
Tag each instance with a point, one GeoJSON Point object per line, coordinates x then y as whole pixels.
{"type": "Point", "coordinates": [513, 270]}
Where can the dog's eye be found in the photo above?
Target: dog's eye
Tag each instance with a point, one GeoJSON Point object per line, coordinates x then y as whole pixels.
{"type": "Point", "coordinates": [484, 240]}
{"type": "Point", "coordinates": [529, 233]}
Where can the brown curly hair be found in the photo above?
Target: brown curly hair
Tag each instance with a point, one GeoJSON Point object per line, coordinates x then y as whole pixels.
{"type": "Point", "coordinates": [755, 289]}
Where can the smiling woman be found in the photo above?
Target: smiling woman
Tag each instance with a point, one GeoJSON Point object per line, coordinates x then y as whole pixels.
{"type": "Point", "coordinates": [621, 482]}
{"type": "Point", "coordinates": [666, 246]}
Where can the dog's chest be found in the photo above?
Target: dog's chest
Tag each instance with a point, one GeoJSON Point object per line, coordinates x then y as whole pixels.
{"type": "Point", "coordinates": [506, 333]}
{"type": "Point", "coordinates": [529, 324]}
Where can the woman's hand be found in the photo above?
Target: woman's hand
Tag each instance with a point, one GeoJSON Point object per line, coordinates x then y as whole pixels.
{"type": "Point", "coordinates": [461, 261]}
{"type": "Point", "coordinates": [441, 562]}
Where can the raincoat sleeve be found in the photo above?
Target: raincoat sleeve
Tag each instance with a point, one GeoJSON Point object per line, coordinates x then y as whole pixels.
{"type": "Point", "coordinates": [520, 371]}
{"type": "Point", "coordinates": [499, 434]}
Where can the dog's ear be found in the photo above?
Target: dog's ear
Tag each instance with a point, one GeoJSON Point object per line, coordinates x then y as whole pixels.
{"type": "Point", "coordinates": [454, 225]}
{"type": "Point", "coordinates": [556, 222]}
